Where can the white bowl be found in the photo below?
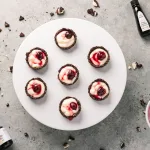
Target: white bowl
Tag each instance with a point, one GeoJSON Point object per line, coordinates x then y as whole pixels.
{"type": "Point", "coordinates": [146, 113]}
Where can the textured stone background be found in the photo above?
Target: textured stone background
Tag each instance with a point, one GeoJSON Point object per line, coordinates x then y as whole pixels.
{"type": "Point", "coordinates": [117, 18]}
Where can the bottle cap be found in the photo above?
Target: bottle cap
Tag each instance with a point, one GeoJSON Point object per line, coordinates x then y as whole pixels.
{"type": "Point", "coordinates": [134, 3]}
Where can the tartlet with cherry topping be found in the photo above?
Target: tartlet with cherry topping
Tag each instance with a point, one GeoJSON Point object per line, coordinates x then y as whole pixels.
{"type": "Point", "coordinates": [68, 74]}
{"type": "Point", "coordinates": [98, 56]}
{"type": "Point", "coordinates": [65, 38]}
{"type": "Point", "coordinates": [36, 88]}
{"type": "Point", "coordinates": [99, 90]}
{"type": "Point", "coordinates": [70, 107]}
{"type": "Point", "coordinates": [37, 58]}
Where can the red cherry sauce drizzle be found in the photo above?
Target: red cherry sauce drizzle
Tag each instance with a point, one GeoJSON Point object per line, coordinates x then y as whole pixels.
{"type": "Point", "coordinates": [98, 56]}
{"type": "Point", "coordinates": [70, 74]}
{"type": "Point", "coordinates": [40, 56]}
{"type": "Point", "coordinates": [101, 91]}
{"type": "Point", "coordinates": [36, 88]}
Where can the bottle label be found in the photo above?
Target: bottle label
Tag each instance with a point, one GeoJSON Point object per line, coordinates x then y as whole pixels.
{"type": "Point", "coordinates": [143, 22]}
{"type": "Point", "coordinates": [4, 136]}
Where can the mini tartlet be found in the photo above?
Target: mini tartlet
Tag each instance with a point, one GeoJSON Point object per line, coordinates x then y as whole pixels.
{"type": "Point", "coordinates": [98, 56]}
{"type": "Point", "coordinates": [65, 38]}
{"type": "Point", "coordinates": [36, 88]}
{"type": "Point", "coordinates": [70, 107]}
{"type": "Point", "coordinates": [99, 90]}
{"type": "Point", "coordinates": [68, 74]}
{"type": "Point", "coordinates": [37, 58]}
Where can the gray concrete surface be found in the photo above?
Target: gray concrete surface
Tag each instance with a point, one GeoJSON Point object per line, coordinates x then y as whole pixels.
{"type": "Point", "coordinates": [117, 18]}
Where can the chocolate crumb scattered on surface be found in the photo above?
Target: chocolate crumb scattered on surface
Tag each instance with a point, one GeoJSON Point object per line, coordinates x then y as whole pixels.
{"type": "Point", "coordinates": [21, 18]}
{"type": "Point", "coordinates": [71, 138]}
{"type": "Point", "coordinates": [26, 135]}
{"type": "Point", "coordinates": [92, 12]}
{"type": "Point", "coordinates": [122, 145]}
{"type": "Point", "coordinates": [33, 138]}
{"type": "Point", "coordinates": [7, 25]}
{"type": "Point", "coordinates": [142, 102]}
{"type": "Point", "coordinates": [11, 69]}
{"type": "Point", "coordinates": [2, 94]}
{"type": "Point", "coordinates": [129, 67]}
{"type": "Point", "coordinates": [138, 129]}
{"type": "Point", "coordinates": [51, 14]}
{"type": "Point", "coordinates": [60, 11]}
{"type": "Point", "coordinates": [144, 128]}
{"type": "Point", "coordinates": [66, 145]}
{"type": "Point", "coordinates": [7, 104]}
{"type": "Point", "coordinates": [47, 12]}
{"type": "Point", "coordinates": [0, 30]}
{"type": "Point", "coordinates": [95, 3]}
{"type": "Point", "coordinates": [139, 66]}
{"type": "Point", "coordinates": [22, 34]}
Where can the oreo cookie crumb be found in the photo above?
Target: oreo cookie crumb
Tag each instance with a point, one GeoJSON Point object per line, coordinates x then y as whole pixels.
{"type": "Point", "coordinates": [2, 94]}
{"type": "Point", "coordinates": [11, 69]}
{"type": "Point", "coordinates": [70, 138]}
{"type": "Point", "coordinates": [22, 34]}
{"type": "Point", "coordinates": [9, 127]}
{"type": "Point", "coordinates": [5, 45]}
{"type": "Point", "coordinates": [60, 11]}
{"type": "Point", "coordinates": [129, 67]}
{"type": "Point", "coordinates": [21, 18]}
{"type": "Point", "coordinates": [66, 145]}
{"type": "Point", "coordinates": [33, 138]}
{"type": "Point", "coordinates": [26, 135]}
{"type": "Point", "coordinates": [122, 145]}
{"type": "Point", "coordinates": [136, 65]}
{"type": "Point", "coordinates": [7, 104]}
{"type": "Point", "coordinates": [144, 128]}
{"type": "Point", "coordinates": [0, 30]}
{"type": "Point", "coordinates": [0, 89]}
{"type": "Point", "coordinates": [51, 14]}
{"type": "Point", "coordinates": [142, 102]}
{"type": "Point", "coordinates": [95, 3]}
{"type": "Point", "coordinates": [138, 129]}
{"type": "Point", "coordinates": [46, 12]}
{"type": "Point", "coordinates": [7, 25]}
{"type": "Point", "coordinates": [139, 66]}
{"type": "Point", "coordinates": [101, 149]}
{"type": "Point", "coordinates": [92, 12]}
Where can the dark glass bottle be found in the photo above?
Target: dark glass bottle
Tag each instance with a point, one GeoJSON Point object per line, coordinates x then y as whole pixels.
{"type": "Point", "coordinates": [141, 19]}
{"type": "Point", "coordinates": [5, 139]}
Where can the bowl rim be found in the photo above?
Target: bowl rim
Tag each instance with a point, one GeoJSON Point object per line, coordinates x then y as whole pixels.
{"type": "Point", "coordinates": [146, 113]}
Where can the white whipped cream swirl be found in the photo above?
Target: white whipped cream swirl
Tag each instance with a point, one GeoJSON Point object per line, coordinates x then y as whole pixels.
{"type": "Point", "coordinates": [64, 42]}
